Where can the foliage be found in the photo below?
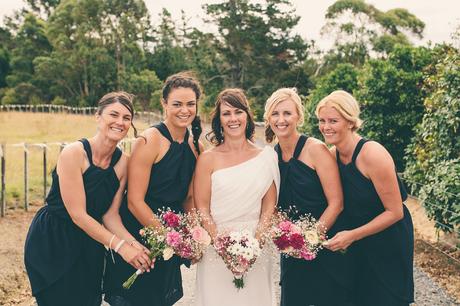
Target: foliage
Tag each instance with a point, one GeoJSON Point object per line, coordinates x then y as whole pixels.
{"type": "Point", "coordinates": [345, 77]}
{"type": "Point", "coordinates": [391, 97]}
{"type": "Point", "coordinates": [433, 163]}
{"type": "Point", "coordinates": [257, 45]}
{"type": "Point", "coordinates": [360, 29]}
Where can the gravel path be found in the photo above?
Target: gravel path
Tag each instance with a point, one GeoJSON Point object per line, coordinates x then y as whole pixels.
{"type": "Point", "coordinates": [427, 292]}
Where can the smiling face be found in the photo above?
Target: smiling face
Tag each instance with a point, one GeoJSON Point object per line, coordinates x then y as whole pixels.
{"type": "Point", "coordinates": [284, 118]}
{"type": "Point", "coordinates": [233, 120]}
{"type": "Point", "coordinates": [180, 107]}
{"type": "Point", "coordinates": [333, 125]}
{"type": "Point", "coordinates": [114, 121]}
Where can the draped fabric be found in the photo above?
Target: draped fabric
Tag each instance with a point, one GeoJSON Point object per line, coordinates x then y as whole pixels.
{"type": "Point", "coordinates": [236, 198]}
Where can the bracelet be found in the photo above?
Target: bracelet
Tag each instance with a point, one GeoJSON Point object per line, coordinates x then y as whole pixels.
{"type": "Point", "coordinates": [111, 240]}
{"type": "Point", "coordinates": [110, 248]}
{"type": "Point", "coordinates": [122, 241]}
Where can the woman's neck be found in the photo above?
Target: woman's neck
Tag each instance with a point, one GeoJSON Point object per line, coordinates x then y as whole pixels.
{"type": "Point", "coordinates": [177, 133]}
{"type": "Point", "coordinates": [288, 144]}
{"type": "Point", "coordinates": [347, 146]}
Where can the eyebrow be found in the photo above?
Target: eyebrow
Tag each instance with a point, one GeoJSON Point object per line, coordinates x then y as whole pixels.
{"type": "Point", "coordinates": [177, 101]}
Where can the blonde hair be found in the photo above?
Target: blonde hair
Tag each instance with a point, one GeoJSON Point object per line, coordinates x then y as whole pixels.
{"type": "Point", "coordinates": [276, 98]}
{"type": "Point", "coordinates": [345, 104]}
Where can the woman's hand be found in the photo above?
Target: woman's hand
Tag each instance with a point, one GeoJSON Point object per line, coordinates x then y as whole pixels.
{"type": "Point", "coordinates": [136, 257]}
{"type": "Point", "coordinates": [341, 241]}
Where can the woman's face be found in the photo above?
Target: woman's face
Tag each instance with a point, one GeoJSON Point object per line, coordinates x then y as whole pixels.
{"type": "Point", "coordinates": [333, 125]}
{"type": "Point", "coordinates": [283, 119]}
{"type": "Point", "coordinates": [233, 120]}
{"type": "Point", "coordinates": [180, 107]}
{"type": "Point", "coordinates": [114, 121]}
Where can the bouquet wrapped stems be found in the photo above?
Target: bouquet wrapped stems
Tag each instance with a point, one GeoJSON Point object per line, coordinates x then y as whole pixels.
{"type": "Point", "coordinates": [130, 281]}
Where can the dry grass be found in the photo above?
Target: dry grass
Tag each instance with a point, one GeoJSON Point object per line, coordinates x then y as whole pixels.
{"type": "Point", "coordinates": [32, 128]}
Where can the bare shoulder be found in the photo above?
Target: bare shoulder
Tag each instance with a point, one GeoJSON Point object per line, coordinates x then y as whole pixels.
{"type": "Point", "coordinates": [207, 159]}
{"type": "Point", "coordinates": [314, 145]}
{"type": "Point", "coordinates": [373, 152]}
{"type": "Point", "coordinates": [74, 150]}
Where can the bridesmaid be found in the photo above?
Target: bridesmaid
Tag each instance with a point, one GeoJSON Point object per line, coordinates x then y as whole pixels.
{"type": "Point", "coordinates": [306, 168]}
{"type": "Point", "coordinates": [382, 234]}
{"type": "Point", "coordinates": [64, 252]}
{"type": "Point", "coordinates": [160, 173]}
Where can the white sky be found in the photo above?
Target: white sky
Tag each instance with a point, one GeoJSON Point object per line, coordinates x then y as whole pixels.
{"type": "Point", "coordinates": [441, 17]}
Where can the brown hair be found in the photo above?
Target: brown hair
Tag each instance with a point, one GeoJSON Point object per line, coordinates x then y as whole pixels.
{"type": "Point", "coordinates": [121, 97]}
{"type": "Point", "coordinates": [236, 98]}
{"type": "Point", "coordinates": [186, 79]}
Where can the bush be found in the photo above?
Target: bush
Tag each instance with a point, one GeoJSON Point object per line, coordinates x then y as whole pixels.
{"type": "Point", "coordinates": [433, 161]}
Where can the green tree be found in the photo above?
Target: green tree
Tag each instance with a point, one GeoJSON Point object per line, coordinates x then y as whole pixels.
{"type": "Point", "coordinates": [433, 159]}
{"type": "Point", "coordinates": [344, 77]}
{"type": "Point", "coordinates": [143, 85]}
{"type": "Point", "coordinates": [257, 44]}
{"type": "Point", "coordinates": [391, 98]}
{"type": "Point", "coordinates": [361, 29]}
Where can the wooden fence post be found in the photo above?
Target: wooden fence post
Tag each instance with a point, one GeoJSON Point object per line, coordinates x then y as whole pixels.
{"type": "Point", "coordinates": [26, 178]}
{"type": "Point", "coordinates": [3, 191]}
{"type": "Point", "coordinates": [44, 172]}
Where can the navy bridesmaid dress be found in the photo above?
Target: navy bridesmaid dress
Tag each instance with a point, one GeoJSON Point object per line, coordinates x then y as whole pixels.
{"type": "Point", "coordinates": [385, 259]}
{"type": "Point", "coordinates": [328, 279]}
{"type": "Point", "coordinates": [168, 188]}
{"type": "Point", "coordinates": [64, 264]}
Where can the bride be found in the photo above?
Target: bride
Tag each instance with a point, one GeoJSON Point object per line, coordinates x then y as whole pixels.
{"type": "Point", "coordinates": [235, 188]}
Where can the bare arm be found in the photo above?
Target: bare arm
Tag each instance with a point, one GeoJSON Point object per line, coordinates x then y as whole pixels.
{"type": "Point", "coordinates": [202, 192]}
{"type": "Point", "coordinates": [267, 210]}
{"type": "Point", "coordinates": [143, 156]}
{"type": "Point", "coordinates": [328, 173]}
{"type": "Point", "coordinates": [70, 167]}
{"type": "Point", "coordinates": [189, 204]}
{"type": "Point", "coordinates": [376, 163]}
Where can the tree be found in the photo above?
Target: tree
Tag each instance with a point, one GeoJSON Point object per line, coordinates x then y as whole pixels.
{"type": "Point", "coordinates": [433, 160]}
{"type": "Point", "coordinates": [391, 96]}
{"type": "Point", "coordinates": [360, 29]}
{"type": "Point", "coordinates": [170, 54]}
{"type": "Point", "coordinates": [344, 77]}
{"type": "Point", "coordinates": [143, 85]}
{"type": "Point", "coordinates": [257, 44]}
{"type": "Point", "coordinates": [97, 46]}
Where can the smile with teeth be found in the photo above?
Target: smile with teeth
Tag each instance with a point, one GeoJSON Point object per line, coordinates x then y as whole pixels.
{"type": "Point", "coordinates": [185, 117]}
{"type": "Point", "coordinates": [116, 129]}
{"type": "Point", "coordinates": [281, 126]}
{"type": "Point", "coordinates": [233, 126]}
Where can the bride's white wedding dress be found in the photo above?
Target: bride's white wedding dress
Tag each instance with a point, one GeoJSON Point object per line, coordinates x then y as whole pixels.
{"type": "Point", "coordinates": [236, 198]}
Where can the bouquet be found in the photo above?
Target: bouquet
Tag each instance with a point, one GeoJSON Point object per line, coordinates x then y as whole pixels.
{"type": "Point", "coordinates": [302, 238]}
{"type": "Point", "coordinates": [185, 235]}
{"type": "Point", "coordinates": [179, 234]}
{"type": "Point", "coordinates": [239, 250]}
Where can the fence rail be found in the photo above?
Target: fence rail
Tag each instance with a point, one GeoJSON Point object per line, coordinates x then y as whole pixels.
{"type": "Point", "coordinates": [124, 145]}
{"type": "Point", "coordinates": [150, 117]}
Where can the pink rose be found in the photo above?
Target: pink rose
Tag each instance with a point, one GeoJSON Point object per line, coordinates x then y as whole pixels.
{"type": "Point", "coordinates": [173, 239]}
{"type": "Point", "coordinates": [171, 219]}
{"type": "Point", "coordinates": [282, 242]}
{"type": "Point", "coordinates": [141, 232]}
{"type": "Point", "coordinates": [296, 241]}
{"type": "Point", "coordinates": [285, 226]}
{"type": "Point", "coordinates": [307, 255]}
{"type": "Point", "coordinates": [200, 235]}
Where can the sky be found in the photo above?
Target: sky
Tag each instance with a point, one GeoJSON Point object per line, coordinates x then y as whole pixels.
{"type": "Point", "coordinates": [441, 17]}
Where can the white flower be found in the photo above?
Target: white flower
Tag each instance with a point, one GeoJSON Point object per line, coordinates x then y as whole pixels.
{"type": "Point", "coordinates": [168, 253]}
{"type": "Point", "coordinates": [312, 237]}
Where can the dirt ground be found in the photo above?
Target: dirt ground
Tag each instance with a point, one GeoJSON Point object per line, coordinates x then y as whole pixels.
{"type": "Point", "coordinates": [15, 288]}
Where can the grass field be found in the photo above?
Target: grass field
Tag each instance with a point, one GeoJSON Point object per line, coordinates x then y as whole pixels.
{"type": "Point", "coordinates": [38, 128]}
